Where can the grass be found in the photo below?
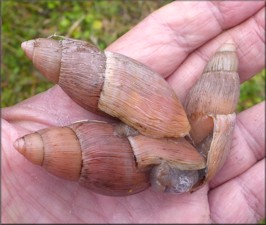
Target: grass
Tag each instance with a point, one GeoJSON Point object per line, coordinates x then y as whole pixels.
{"type": "Point", "coordinates": [252, 91]}
{"type": "Point", "coordinates": [262, 222]}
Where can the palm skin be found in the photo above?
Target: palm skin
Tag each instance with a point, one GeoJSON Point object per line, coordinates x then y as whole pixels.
{"type": "Point", "coordinates": [178, 52]}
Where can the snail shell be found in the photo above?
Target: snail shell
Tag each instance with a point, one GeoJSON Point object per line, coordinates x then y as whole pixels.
{"type": "Point", "coordinates": [216, 92]}
{"type": "Point", "coordinates": [112, 83]}
{"type": "Point", "coordinates": [103, 160]}
{"type": "Point", "coordinates": [210, 106]}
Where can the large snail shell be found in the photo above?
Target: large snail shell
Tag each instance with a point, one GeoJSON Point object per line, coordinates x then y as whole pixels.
{"type": "Point", "coordinates": [112, 83]}
{"type": "Point", "coordinates": [103, 160]}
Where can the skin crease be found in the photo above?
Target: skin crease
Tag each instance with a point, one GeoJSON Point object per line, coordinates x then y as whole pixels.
{"type": "Point", "coordinates": [178, 52]}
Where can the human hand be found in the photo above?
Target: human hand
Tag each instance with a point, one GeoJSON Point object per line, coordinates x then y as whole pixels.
{"type": "Point", "coordinates": [170, 41]}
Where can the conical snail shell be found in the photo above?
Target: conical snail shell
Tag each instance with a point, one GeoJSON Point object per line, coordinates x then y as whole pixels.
{"type": "Point", "coordinates": [101, 159]}
{"type": "Point", "coordinates": [216, 92]}
{"type": "Point", "coordinates": [210, 106]}
{"type": "Point", "coordinates": [112, 83]}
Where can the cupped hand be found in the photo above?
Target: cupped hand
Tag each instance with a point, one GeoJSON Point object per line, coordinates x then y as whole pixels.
{"type": "Point", "coordinates": [176, 41]}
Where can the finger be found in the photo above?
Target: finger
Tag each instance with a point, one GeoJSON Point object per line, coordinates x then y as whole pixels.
{"type": "Point", "coordinates": [165, 38]}
{"type": "Point", "coordinates": [250, 41]}
{"type": "Point", "coordinates": [241, 200]}
{"type": "Point", "coordinates": [248, 144]}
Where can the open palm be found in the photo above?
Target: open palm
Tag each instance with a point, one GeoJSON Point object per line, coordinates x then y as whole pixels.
{"type": "Point", "coordinates": [176, 41]}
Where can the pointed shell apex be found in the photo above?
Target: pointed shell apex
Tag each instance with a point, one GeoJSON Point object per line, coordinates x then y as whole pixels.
{"type": "Point", "coordinates": [31, 147]}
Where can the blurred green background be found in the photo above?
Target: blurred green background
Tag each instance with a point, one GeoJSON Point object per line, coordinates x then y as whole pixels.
{"type": "Point", "coordinates": [100, 22]}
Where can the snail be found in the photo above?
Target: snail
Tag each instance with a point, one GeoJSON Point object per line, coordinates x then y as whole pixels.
{"type": "Point", "coordinates": [105, 157]}
{"type": "Point", "coordinates": [111, 83]}
{"type": "Point", "coordinates": [158, 142]}
{"type": "Point", "coordinates": [212, 117]}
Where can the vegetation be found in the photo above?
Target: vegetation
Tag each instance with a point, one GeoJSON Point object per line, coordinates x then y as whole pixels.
{"type": "Point", "coordinates": [101, 22]}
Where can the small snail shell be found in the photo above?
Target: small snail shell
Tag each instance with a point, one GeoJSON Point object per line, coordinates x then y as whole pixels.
{"type": "Point", "coordinates": [112, 83]}
{"type": "Point", "coordinates": [103, 160]}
